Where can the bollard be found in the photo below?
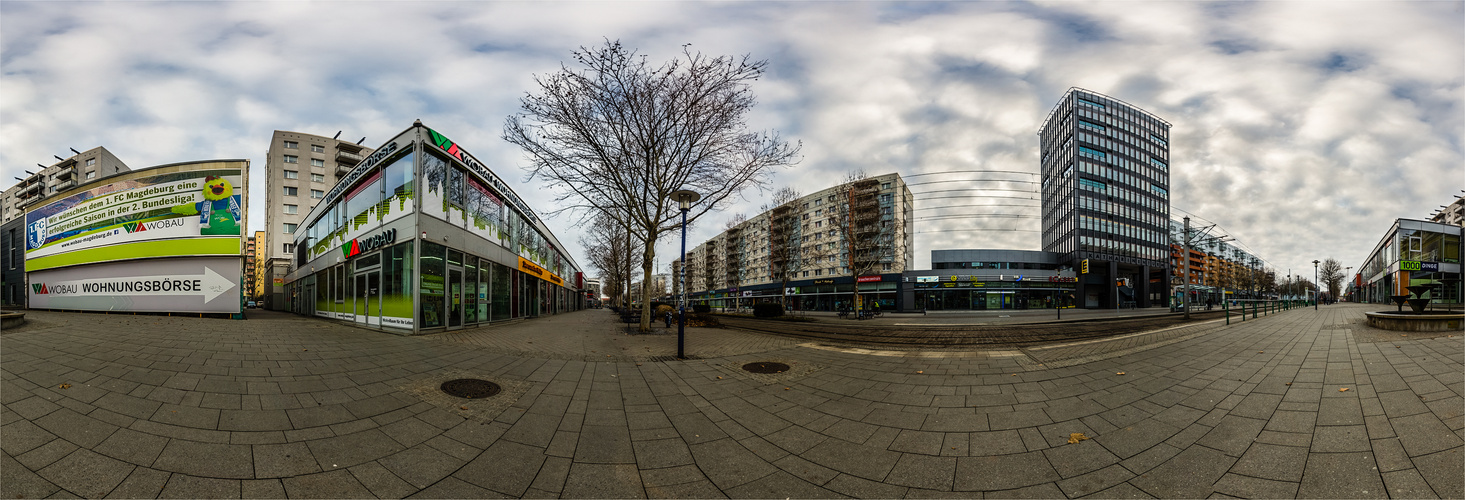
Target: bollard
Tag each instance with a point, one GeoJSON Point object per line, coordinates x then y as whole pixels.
{"type": "Point", "coordinates": [1226, 306]}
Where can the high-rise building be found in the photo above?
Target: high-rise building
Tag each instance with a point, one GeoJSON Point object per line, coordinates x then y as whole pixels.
{"type": "Point", "coordinates": [81, 168]}
{"type": "Point", "coordinates": [1106, 197]}
{"type": "Point", "coordinates": [249, 259]}
{"type": "Point", "coordinates": [824, 243]}
{"type": "Point", "coordinates": [258, 280]}
{"type": "Point", "coordinates": [299, 170]}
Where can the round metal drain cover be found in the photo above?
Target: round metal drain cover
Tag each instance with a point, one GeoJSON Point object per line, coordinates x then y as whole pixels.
{"type": "Point", "coordinates": [766, 367]}
{"type": "Point", "coordinates": [470, 388]}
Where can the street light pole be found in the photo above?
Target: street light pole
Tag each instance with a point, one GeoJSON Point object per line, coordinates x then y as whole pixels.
{"type": "Point", "coordinates": [685, 198]}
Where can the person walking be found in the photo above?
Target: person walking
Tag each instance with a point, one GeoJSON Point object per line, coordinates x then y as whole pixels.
{"type": "Point", "coordinates": [668, 318]}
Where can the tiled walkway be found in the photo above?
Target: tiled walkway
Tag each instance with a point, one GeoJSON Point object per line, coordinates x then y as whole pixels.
{"type": "Point", "coordinates": [279, 405]}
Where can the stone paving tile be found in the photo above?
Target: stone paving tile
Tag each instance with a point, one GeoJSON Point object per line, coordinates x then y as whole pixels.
{"type": "Point", "coordinates": [1190, 474]}
{"type": "Point", "coordinates": [185, 486]}
{"type": "Point", "coordinates": [1442, 472]}
{"type": "Point", "coordinates": [148, 483]}
{"type": "Point", "coordinates": [329, 484]}
{"type": "Point", "coordinates": [207, 459]}
{"type": "Point", "coordinates": [300, 396]}
{"type": "Point", "coordinates": [1003, 472]}
{"type": "Point", "coordinates": [1341, 475]}
{"type": "Point", "coordinates": [86, 473]}
{"type": "Point", "coordinates": [603, 481]}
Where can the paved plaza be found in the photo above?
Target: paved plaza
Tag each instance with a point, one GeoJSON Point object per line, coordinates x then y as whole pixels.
{"type": "Point", "coordinates": [1301, 403]}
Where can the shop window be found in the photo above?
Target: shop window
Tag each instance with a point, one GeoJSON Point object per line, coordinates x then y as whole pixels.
{"type": "Point", "coordinates": [433, 280]}
{"type": "Point", "coordinates": [362, 200]}
{"type": "Point", "coordinates": [500, 293]}
{"type": "Point", "coordinates": [397, 265]}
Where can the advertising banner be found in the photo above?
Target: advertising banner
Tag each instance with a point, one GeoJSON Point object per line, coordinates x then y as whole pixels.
{"type": "Point", "coordinates": [206, 285]}
{"type": "Point", "coordinates": [176, 214]}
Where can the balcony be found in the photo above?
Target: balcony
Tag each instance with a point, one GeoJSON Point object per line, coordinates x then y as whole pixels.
{"type": "Point", "coordinates": [347, 158]}
{"type": "Point", "coordinates": [67, 184]}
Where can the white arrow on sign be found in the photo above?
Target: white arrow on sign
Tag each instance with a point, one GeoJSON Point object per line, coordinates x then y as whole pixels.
{"type": "Point", "coordinates": [209, 284]}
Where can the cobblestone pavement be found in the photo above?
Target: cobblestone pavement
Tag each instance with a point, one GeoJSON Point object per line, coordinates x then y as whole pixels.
{"type": "Point", "coordinates": [1291, 405]}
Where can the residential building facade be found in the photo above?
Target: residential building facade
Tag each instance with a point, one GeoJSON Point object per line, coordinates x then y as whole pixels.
{"type": "Point", "coordinates": [299, 169]}
{"type": "Point", "coordinates": [67, 173]}
{"type": "Point", "coordinates": [826, 242]}
{"type": "Point", "coordinates": [1105, 170]}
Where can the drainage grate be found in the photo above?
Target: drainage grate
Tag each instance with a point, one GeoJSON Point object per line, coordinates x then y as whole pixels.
{"type": "Point", "coordinates": [470, 388]}
{"type": "Point", "coordinates": [766, 367]}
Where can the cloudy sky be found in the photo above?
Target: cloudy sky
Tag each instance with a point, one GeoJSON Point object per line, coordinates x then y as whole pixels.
{"type": "Point", "coordinates": [1301, 128]}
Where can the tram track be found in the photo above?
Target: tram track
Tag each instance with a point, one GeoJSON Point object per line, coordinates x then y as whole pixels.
{"type": "Point", "coordinates": [986, 336]}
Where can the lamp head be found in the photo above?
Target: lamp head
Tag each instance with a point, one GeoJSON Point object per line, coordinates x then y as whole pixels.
{"type": "Point", "coordinates": [686, 198]}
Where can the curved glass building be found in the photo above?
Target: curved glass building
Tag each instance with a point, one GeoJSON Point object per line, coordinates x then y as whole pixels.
{"type": "Point", "coordinates": [1106, 198]}
{"type": "Point", "coordinates": [420, 236]}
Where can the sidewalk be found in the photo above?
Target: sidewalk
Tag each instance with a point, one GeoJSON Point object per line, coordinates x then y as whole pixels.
{"type": "Point", "coordinates": [281, 405]}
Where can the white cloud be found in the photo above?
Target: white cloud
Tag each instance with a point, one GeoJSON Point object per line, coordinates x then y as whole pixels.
{"type": "Point", "coordinates": [1303, 128]}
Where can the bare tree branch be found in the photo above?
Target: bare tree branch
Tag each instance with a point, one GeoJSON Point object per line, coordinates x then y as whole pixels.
{"type": "Point", "coordinates": [618, 136]}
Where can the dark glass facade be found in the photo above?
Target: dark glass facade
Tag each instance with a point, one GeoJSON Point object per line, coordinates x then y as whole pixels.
{"type": "Point", "coordinates": [1106, 197]}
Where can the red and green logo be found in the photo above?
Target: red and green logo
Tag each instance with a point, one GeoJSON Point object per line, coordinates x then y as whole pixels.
{"type": "Point", "coordinates": [135, 227]}
{"type": "Point", "coordinates": [40, 288]}
{"type": "Point", "coordinates": [356, 246]}
{"type": "Point", "coordinates": [446, 144]}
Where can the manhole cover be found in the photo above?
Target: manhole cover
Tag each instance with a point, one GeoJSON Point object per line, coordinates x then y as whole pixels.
{"type": "Point", "coordinates": [766, 367]}
{"type": "Point", "coordinates": [470, 388]}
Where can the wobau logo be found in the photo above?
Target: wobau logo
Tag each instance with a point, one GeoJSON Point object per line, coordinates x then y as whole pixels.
{"type": "Point", "coordinates": [358, 245]}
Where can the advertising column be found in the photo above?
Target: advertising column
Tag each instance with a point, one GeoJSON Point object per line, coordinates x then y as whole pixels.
{"type": "Point", "coordinates": [151, 242]}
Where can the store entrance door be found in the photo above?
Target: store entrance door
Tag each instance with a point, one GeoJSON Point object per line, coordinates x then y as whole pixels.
{"type": "Point", "coordinates": [455, 297]}
{"type": "Point", "coordinates": [368, 307]}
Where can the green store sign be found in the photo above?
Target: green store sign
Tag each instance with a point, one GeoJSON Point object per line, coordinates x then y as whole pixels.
{"type": "Point", "coordinates": [1409, 265]}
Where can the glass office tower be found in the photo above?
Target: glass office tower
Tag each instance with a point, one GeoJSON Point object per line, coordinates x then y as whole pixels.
{"type": "Point", "coordinates": [1106, 198]}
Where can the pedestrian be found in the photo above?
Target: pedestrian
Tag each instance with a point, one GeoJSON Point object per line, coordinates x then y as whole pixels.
{"type": "Point", "coordinates": [668, 318]}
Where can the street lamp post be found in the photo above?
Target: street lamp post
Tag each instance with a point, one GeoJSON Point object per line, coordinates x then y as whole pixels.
{"type": "Point", "coordinates": [686, 198]}
{"type": "Point", "coordinates": [1314, 285]}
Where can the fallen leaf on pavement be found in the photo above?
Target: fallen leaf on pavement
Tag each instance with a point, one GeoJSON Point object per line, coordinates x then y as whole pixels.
{"type": "Point", "coordinates": [65, 386]}
{"type": "Point", "coordinates": [1289, 383]}
{"type": "Point", "coordinates": [920, 371]}
{"type": "Point", "coordinates": [1118, 373]}
{"type": "Point", "coordinates": [1076, 437]}
{"type": "Point", "coordinates": [1343, 389]}
{"type": "Point", "coordinates": [462, 407]}
{"type": "Point", "coordinates": [719, 378]}
{"type": "Point", "coordinates": [787, 388]}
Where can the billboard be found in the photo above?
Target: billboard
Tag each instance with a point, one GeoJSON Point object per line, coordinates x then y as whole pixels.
{"type": "Point", "coordinates": [204, 285]}
{"type": "Point", "coordinates": [190, 213]}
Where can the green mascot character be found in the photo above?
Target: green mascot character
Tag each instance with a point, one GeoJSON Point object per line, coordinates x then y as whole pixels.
{"type": "Point", "coordinates": [219, 212]}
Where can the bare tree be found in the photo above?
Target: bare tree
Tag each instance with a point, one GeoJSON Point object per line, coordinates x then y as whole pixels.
{"type": "Point", "coordinates": [785, 239]}
{"type": "Point", "coordinates": [856, 218]}
{"type": "Point", "coordinates": [1330, 273]}
{"type": "Point", "coordinates": [610, 253]}
{"type": "Point", "coordinates": [617, 135]}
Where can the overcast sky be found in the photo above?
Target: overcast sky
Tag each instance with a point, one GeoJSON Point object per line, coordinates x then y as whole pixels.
{"type": "Point", "coordinates": [1302, 129]}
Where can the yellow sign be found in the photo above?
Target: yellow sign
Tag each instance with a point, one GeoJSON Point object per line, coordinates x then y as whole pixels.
{"type": "Point", "coordinates": [1085, 266]}
{"type": "Point", "coordinates": [533, 269]}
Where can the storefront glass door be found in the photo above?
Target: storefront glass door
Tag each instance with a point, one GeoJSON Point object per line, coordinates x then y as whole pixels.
{"type": "Point", "coordinates": [368, 297]}
{"type": "Point", "coordinates": [455, 296]}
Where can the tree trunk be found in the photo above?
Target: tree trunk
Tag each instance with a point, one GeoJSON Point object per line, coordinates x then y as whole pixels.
{"type": "Point", "coordinates": [646, 264]}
